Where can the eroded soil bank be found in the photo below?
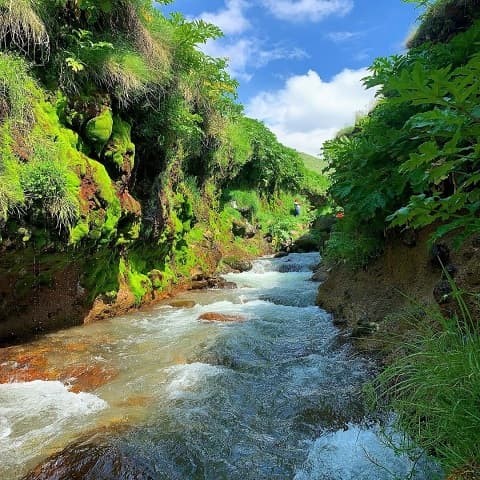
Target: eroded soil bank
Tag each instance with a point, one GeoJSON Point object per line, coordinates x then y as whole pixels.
{"type": "Point", "coordinates": [407, 275]}
{"type": "Point", "coordinates": [45, 292]}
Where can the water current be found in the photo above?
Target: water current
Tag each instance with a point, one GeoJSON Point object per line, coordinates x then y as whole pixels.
{"type": "Point", "coordinates": [274, 396]}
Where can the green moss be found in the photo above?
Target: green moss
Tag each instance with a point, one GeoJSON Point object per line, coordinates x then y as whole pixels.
{"type": "Point", "coordinates": [101, 272]}
{"type": "Point", "coordinates": [120, 147]}
{"type": "Point", "coordinates": [138, 283]}
{"type": "Point", "coordinates": [107, 193]}
{"type": "Point", "coordinates": [79, 231]}
{"type": "Point", "coordinates": [99, 129]}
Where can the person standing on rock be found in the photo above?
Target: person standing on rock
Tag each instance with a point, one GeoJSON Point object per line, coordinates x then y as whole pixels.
{"type": "Point", "coordinates": [296, 207]}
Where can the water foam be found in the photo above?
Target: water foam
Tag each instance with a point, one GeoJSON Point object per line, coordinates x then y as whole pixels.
{"type": "Point", "coordinates": [49, 406]}
{"type": "Point", "coordinates": [185, 380]}
{"type": "Point", "coordinates": [358, 454]}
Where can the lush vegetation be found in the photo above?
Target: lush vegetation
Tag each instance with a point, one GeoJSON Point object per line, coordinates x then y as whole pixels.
{"type": "Point", "coordinates": [119, 137]}
{"type": "Point", "coordinates": [414, 160]}
{"type": "Point", "coordinates": [434, 388]}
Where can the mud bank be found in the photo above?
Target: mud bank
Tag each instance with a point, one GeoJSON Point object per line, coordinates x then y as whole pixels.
{"type": "Point", "coordinates": [407, 274]}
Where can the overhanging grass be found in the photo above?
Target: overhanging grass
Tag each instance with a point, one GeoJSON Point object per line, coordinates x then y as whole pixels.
{"type": "Point", "coordinates": [435, 388]}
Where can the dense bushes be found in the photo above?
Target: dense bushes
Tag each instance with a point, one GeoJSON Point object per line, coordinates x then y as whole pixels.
{"type": "Point", "coordinates": [414, 161]}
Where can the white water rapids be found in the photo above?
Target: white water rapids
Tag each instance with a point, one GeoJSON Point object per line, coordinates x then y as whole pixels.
{"type": "Point", "coordinates": [275, 396]}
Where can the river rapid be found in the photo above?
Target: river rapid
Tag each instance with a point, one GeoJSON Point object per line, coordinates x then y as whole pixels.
{"type": "Point", "coordinates": [273, 396]}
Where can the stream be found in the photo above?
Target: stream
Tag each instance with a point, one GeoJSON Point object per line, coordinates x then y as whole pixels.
{"type": "Point", "coordinates": [162, 394]}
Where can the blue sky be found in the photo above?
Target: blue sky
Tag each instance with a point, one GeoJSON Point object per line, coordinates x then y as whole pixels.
{"type": "Point", "coordinates": [300, 62]}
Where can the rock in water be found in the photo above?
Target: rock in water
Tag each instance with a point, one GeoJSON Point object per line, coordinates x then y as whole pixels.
{"type": "Point", "coordinates": [88, 461]}
{"type": "Point", "coordinates": [181, 303]}
{"type": "Point", "coordinates": [220, 317]}
{"type": "Point", "coordinates": [240, 265]}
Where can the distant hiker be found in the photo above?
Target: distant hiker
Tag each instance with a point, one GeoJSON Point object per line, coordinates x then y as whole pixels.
{"type": "Point", "coordinates": [296, 207]}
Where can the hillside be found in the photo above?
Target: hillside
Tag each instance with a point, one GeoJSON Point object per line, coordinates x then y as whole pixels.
{"type": "Point", "coordinates": [312, 163]}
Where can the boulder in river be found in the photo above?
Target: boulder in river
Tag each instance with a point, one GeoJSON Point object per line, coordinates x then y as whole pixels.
{"type": "Point", "coordinates": [88, 461]}
{"type": "Point", "coordinates": [238, 264]}
{"type": "Point", "coordinates": [181, 303]}
{"type": "Point", "coordinates": [221, 317]}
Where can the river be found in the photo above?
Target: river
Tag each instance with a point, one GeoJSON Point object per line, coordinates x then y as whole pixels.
{"type": "Point", "coordinates": [273, 396]}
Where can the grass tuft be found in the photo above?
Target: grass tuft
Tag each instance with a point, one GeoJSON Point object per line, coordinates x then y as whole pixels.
{"type": "Point", "coordinates": [22, 29]}
{"type": "Point", "coordinates": [435, 388]}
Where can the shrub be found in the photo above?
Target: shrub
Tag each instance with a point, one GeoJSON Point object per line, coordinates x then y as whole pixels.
{"type": "Point", "coordinates": [45, 182]}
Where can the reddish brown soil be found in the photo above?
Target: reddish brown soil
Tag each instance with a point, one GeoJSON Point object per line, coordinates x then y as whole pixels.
{"type": "Point", "coordinates": [401, 279]}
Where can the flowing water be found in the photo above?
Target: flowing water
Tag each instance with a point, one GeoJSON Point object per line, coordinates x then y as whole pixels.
{"type": "Point", "coordinates": [275, 396]}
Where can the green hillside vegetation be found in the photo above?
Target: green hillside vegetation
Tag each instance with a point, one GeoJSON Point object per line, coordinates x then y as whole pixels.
{"type": "Point", "coordinates": [414, 162]}
{"type": "Point", "coordinates": [312, 163]}
{"type": "Point", "coordinates": [120, 141]}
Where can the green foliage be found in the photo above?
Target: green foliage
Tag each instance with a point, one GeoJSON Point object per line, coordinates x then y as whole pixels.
{"type": "Point", "coordinates": [435, 388]}
{"type": "Point", "coordinates": [351, 246]}
{"type": "Point", "coordinates": [45, 183]}
{"type": "Point", "coordinates": [12, 196]}
{"type": "Point", "coordinates": [414, 160]}
{"type": "Point", "coordinates": [272, 166]}
{"type": "Point", "coordinates": [314, 164]}
{"type": "Point", "coordinates": [17, 90]}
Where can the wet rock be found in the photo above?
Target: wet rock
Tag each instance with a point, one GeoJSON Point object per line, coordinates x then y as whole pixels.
{"type": "Point", "coordinates": [181, 303]}
{"type": "Point", "coordinates": [86, 378]}
{"type": "Point", "coordinates": [91, 462]}
{"type": "Point", "coordinates": [281, 255]}
{"type": "Point", "coordinates": [213, 282]}
{"type": "Point", "coordinates": [199, 285]}
{"type": "Point", "coordinates": [240, 265]}
{"type": "Point", "coordinates": [306, 243]}
{"type": "Point", "coordinates": [220, 317]}
{"type": "Point", "coordinates": [319, 276]}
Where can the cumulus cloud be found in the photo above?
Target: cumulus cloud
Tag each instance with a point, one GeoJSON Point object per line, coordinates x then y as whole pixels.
{"type": "Point", "coordinates": [308, 110]}
{"type": "Point", "coordinates": [231, 19]}
{"type": "Point", "coordinates": [307, 10]}
{"type": "Point", "coordinates": [245, 55]}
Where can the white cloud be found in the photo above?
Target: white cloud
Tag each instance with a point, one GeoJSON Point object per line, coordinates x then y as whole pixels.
{"type": "Point", "coordinates": [339, 37]}
{"type": "Point", "coordinates": [231, 19]}
{"type": "Point", "coordinates": [307, 110]}
{"type": "Point", "coordinates": [245, 55]}
{"type": "Point", "coordinates": [307, 10]}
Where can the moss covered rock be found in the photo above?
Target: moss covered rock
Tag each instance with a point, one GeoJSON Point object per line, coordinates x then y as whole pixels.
{"type": "Point", "coordinates": [99, 130]}
{"type": "Point", "coordinates": [120, 151]}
